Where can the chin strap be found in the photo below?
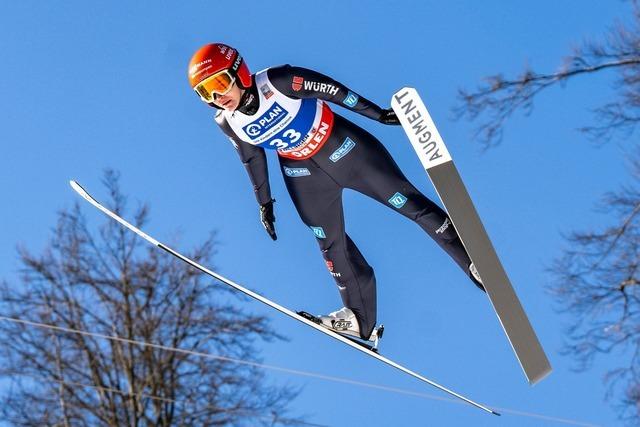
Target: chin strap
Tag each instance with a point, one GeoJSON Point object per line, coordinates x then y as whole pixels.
{"type": "Point", "coordinates": [249, 102]}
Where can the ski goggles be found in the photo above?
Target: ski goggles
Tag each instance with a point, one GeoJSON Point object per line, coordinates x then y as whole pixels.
{"type": "Point", "coordinates": [219, 83]}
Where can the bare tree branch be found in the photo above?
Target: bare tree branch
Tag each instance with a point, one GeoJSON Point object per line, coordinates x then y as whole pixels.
{"type": "Point", "coordinates": [109, 283]}
{"type": "Point", "coordinates": [597, 281]}
{"type": "Point", "coordinates": [499, 98]}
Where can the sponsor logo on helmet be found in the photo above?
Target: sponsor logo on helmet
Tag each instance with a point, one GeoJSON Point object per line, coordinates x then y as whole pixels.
{"type": "Point", "coordinates": [351, 100]}
{"type": "Point", "coordinates": [398, 200]}
{"type": "Point", "coordinates": [444, 226]}
{"type": "Point", "coordinates": [299, 82]}
{"type": "Point", "coordinates": [228, 50]}
{"type": "Point", "coordinates": [266, 91]}
{"type": "Point", "coordinates": [295, 172]}
{"type": "Point", "coordinates": [343, 150]}
{"type": "Point", "coordinates": [269, 119]}
{"type": "Point", "coordinates": [193, 70]}
{"type": "Point", "coordinates": [237, 62]}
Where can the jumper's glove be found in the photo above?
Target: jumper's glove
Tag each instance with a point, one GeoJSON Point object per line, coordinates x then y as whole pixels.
{"type": "Point", "coordinates": [267, 218]}
{"type": "Point", "coordinates": [388, 117]}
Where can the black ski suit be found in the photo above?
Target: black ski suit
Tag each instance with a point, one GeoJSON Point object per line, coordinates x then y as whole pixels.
{"type": "Point", "coordinates": [349, 157]}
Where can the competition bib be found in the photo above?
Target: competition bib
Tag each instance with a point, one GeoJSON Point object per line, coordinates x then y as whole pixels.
{"type": "Point", "coordinates": [297, 128]}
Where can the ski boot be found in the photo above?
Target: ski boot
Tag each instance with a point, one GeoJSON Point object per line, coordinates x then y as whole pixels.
{"type": "Point", "coordinates": [475, 277]}
{"type": "Point", "coordinates": [344, 322]}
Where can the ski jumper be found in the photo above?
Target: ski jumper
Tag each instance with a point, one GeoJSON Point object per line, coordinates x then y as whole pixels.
{"type": "Point", "coordinates": [321, 154]}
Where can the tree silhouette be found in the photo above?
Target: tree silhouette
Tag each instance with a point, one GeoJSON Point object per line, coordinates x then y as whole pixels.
{"type": "Point", "coordinates": [499, 98]}
{"type": "Point", "coordinates": [110, 282]}
{"type": "Point", "coordinates": [596, 279]}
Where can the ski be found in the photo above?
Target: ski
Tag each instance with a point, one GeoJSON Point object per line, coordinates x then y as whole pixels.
{"type": "Point", "coordinates": [437, 161]}
{"type": "Point", "coordinates": [358, 346]}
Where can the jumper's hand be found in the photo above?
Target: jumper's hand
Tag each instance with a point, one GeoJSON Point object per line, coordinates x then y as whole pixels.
{"type": "Point", "coordinates": [267, 218]}
{"type": "Point", "coordinates": [388, 117]}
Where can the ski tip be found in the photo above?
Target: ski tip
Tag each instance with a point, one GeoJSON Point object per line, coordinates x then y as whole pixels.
{"type": "Point", "coordinates": [77, 188]}
{"type": "Point", "coordinates": [496, 413]}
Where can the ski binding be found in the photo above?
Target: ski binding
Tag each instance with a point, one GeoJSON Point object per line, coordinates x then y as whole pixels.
{"type": "Point", "coordinates": [369, 345]}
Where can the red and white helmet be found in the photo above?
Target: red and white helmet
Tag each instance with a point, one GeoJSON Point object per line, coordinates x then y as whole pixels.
{"type": "Point", "coordinates": [214, 68]}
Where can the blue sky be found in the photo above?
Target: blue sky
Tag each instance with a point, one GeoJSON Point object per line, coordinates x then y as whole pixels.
{"type": "Point", "coordinates": [90, 85]}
